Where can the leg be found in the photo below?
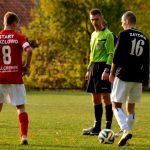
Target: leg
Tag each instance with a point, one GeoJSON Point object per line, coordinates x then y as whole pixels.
{"type": "Point", "coordinates": [119, 95]}
{"type": "Point", "coordinates": [95, 86]}
{"type": "Point", "coordinates": [108, 108]}
{"type": "Point", "coordinates": [134, 97]}
{"type": "Point", "coordinates": [121, 119]}
{"type": "Point", "coordinates": [119, 115]}
{"type": "Point", "coordinates": [1, 106]}
{"type": "Point", "coordinates": [23, 119]}
{"type": "Point", "coordinates": [98, 110]}
{"type": "Point", "coordinates": [130, 107]}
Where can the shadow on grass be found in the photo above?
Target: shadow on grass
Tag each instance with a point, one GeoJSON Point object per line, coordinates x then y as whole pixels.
{"type": "Point", "coordinates": [46, 147]}
{"type": "Point", "coordinates": [66, 147]}
{"type": "Point", "coordinates": [72, 147]}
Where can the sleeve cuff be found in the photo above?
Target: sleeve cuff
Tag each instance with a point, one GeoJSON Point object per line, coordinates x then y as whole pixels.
{"type": "Point", "coordinates": [108, 66]}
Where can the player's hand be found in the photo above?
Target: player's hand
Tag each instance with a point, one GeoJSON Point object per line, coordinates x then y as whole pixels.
{"type": "Point", "coordinates": [25, 70]}
{"type": "Point", "coordinates": [111, 78]}
{"type": "Point", "coordinates": [87, 75]}
{"type": "Point", "coordinates": [105, 76]}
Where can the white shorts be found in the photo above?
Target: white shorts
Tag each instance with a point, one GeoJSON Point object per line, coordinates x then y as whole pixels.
{"type": "Point", "coordinates": [123, 91]}
{"type": "Point", "coordinates": [14, 94]}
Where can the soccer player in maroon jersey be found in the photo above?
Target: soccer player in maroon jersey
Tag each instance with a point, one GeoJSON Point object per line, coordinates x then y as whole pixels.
{"type": "Point", "coordinates": [12, 69]}
{"type": "Point", "coordinates": [130, 69]}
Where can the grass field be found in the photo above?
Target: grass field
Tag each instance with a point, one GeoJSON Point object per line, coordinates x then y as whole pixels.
{"type": "Point", "coordinates": [57, 120]}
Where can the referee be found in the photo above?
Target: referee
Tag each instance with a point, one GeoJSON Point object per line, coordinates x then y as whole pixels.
{"type": "Point", "coordinates": [97, 76]}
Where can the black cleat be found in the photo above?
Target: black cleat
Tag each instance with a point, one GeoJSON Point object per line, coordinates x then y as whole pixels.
{"type": "Point", "coordinates": [24, 142]}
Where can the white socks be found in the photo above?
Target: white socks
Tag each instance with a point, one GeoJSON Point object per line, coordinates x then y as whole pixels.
{"type": "Point", "coordinates": [130, 121]}
{"type": "Point", "coordinates": [121, 119]}
{"type": "Point", "coordinates": [124, 123]}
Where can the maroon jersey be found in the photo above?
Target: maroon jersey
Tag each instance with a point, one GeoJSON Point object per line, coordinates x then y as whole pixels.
{"type": "Point", "coordinates": [11, 46]}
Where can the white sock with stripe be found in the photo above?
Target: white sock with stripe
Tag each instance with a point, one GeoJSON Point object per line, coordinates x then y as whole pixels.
{"type": "Point", "coordinates": [130, 120]}
{"type": "Point", "coordinates": [121, 118]}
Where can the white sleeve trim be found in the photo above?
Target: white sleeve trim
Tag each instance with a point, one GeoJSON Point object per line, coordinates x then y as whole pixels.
{"type": "Point", "coordinates": [26, 44]}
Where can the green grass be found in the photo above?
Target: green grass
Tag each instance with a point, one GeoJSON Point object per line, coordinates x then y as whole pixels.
{"type": "Point", "coordinates": [57, 120]}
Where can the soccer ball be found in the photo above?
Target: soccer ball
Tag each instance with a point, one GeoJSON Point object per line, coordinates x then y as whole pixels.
{"type": "Point", "coordinates": [106, 136]}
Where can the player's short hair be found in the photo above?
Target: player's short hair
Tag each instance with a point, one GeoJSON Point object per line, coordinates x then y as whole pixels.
{"type": "Point", "coordinates": [95, 11]}
{"type": "Point", "coordinates": [10, 17]}
{"type": "Point", "coordinates": [130, 16]}
{"type": "Point", "coordinates": [104, 23]}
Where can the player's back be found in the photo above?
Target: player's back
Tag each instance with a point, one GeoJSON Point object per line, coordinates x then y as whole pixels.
{"type": "Point", "coordinates": [11, 57]}
{"type": "Point", "coordinates": [134, 49]}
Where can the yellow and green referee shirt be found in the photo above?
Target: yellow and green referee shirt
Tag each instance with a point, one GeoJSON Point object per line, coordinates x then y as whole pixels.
{"type": "Point", "coordinates": [102, 47]}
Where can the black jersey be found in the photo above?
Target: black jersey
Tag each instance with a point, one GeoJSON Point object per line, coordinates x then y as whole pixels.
{"type": "Point", "coordinates": [132, 56]}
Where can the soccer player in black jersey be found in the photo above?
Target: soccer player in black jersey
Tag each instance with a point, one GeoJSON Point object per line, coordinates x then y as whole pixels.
{"type": "Point", "coordinates": [130, 69]}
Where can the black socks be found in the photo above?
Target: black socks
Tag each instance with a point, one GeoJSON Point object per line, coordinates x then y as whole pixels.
{"type": "Point", "coordinates": [109, 115]}
{"type": "Point", "coordinates": [98, 111]}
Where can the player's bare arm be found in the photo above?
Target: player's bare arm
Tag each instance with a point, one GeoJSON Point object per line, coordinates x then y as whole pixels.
{"type": "Point", "coordinates": [87, 75]}
{"type": "Point", "coordinates": [112, 72]}
{"type": "Point", "coordinates": [26, 66]}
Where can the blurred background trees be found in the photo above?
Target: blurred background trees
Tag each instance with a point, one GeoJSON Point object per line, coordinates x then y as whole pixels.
{"type": "Point", "coordinates": [60, 35]}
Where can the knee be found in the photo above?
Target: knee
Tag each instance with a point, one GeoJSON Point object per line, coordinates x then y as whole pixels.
{"type": "Point", "coordinates": [106, 98]}
{"type": "Point", "coordinates": [130, 108]}
{"type": "Point", "coordinates": [1, 106]}
{"type": "Point", "coordinates": [96, 101]}
{"type": "Point", "coordinates": [116, 105]}
{"type": "Point", "coordinates": [130, 111]}
{"type": "Point", "coordinates": [20, 108]}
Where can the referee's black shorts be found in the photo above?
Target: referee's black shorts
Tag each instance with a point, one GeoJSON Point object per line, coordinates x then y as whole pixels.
{"type": "Point", "coordinates": [94, 83]}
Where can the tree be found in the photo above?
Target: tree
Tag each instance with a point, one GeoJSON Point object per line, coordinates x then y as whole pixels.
{"type": "Point", "coordinates": [61, 30]}
{"type": "Point", "coordinates": [141, 9]}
